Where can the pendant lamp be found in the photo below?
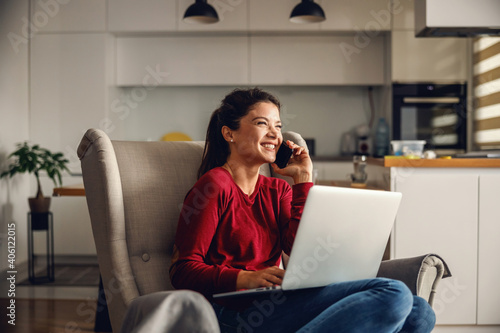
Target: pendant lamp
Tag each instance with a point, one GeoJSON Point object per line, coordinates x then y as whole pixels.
{"type": "Point", "coordinates": [200, 13]}
{"type": "Point", "coordinates": [307, 12]}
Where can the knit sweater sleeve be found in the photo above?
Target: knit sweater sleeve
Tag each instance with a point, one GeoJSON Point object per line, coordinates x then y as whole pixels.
{"type": "Point", "coordinates": [291, 208]}
{"type": "Point", "coordinates": [197, 225]}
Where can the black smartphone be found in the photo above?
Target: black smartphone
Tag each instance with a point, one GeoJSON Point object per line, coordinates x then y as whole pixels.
{"type": "Point", "coordinates": [283, 155]}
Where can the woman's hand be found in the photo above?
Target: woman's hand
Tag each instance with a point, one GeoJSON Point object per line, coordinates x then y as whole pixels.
{"type": "Point", "coordinates": [267, 277]}
{"type": "Point", "coordinates": [300, 165]}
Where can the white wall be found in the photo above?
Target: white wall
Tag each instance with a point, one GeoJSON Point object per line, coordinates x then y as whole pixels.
{"type": "Point", "coordinates": [320, 112]}
{"type": "Point", "coordinates": [70, 77]}
{"type": "Point", "coordinates": [14, 123]}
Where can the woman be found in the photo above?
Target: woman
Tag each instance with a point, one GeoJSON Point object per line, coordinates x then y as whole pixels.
{"type": "Point", "coordinates": [235, 223]}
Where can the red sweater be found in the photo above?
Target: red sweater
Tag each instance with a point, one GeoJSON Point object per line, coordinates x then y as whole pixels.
{"type": "Point", "coordinates": [221, 230]}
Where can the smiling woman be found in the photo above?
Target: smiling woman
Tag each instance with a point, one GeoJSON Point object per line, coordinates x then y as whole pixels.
{"type": "Point", "coordinates": [252, 210]}
{"type": "Point", "coordinates": [233, 107]}
{"type": "Point", "coordinates": [255, 141]}
{"type": "Point", "coordinates": [235, 224]}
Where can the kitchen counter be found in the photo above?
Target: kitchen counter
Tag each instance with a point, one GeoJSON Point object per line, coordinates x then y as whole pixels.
{"type": "Point", "coordinates": [442, 163]}
{"type": "Point", "coordinates": [348, 184]}
{"type": "Point", "coordinates": [369, 159]}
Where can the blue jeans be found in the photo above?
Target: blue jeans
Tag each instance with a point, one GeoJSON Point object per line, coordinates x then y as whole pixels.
{"type": "Point", "coordinates": [373, 305]}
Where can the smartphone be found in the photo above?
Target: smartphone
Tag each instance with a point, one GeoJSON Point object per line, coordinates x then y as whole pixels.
{"type": "Point", "coordinates": [283, 155]}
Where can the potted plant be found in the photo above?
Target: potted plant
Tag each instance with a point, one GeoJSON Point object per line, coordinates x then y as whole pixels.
{"type": "Point", "coordinates": [34, 159]}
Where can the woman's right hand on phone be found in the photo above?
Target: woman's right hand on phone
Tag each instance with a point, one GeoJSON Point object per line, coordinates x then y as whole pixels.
{"type": "Point", "coordinates": [267, 277]}
{"type": "Point", "coordinates": [299, 167]}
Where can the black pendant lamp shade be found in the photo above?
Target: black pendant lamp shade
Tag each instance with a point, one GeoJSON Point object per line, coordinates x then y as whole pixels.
{"type": "Point", "coordinates": [307, 12]}
{"type": "Point", "coordinates": [201, 13]}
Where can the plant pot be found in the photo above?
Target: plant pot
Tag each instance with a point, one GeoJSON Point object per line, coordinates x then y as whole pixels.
{"type": "Point", "coordinates": [39, 205]}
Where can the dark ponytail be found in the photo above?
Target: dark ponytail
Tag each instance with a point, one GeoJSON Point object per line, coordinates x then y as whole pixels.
{"type": "Point", "coordinates": [233, 107]}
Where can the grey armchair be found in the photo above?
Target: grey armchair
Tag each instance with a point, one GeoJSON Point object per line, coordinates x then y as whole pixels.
{"type": "Point", "coordinates": [134, 193]}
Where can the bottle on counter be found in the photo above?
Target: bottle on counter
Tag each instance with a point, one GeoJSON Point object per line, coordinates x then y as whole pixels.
{"type": "Point", "coordinates": [381, 138]}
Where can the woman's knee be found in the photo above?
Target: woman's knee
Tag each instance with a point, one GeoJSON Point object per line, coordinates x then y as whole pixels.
{"type": "Point", "coordinates": [397, 299]}
{"type": "Point", "coordinates": [423, 307]}
{"type": "Point", "coordinates": [422, 318]}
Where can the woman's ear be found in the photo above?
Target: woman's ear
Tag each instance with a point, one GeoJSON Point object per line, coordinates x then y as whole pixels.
{"type": "Point", "coordinates": [227, 134]}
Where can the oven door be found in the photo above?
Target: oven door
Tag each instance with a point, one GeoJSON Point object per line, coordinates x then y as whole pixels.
{"type": "Point", "coordinates": [440, 121]}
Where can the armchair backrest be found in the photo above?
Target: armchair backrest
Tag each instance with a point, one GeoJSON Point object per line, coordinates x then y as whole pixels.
{"type": "Point", "coordinates": [134, 193]}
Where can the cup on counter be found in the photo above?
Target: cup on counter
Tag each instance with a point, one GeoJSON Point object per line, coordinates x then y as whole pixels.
{"type": "Point", "coordinates": [359, 177]}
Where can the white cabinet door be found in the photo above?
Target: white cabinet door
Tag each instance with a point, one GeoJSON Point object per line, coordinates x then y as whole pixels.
{"type": "Point", "coordinates": [488, 306]}
{"type": "Point", "coordinates": [182, 61]}
{"type": "Point", "coordinates": [68, 16]}
{"type": "Point", "coordinates": [316, 60]}
{"type": "Point", "coordinates": [233, 16]}
{"type": "Point", "coordinates": [428, 59]}
{"type": "Point", "coordinates": [274, 15]}
{"type": "Point", "coordinates": [142, 15]}
{"type": "Point", "coordinates": [355, 15]}
{"type": "Point", "coordinates": [438, 214]}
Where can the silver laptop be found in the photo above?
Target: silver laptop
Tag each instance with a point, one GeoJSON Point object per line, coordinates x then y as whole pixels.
{"type": "Point", "coordinates": [342, 236]}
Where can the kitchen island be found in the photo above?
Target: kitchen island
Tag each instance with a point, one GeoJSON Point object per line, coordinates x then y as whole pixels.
{"type": "Point", "coordinates": [450, 207]}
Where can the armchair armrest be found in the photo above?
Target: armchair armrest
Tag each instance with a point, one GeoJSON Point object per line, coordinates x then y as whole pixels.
{"type": "Point", "coordinates": [421, 274]}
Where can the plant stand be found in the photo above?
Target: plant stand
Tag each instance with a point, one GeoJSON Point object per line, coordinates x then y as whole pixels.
{"type": "Point", "coordinates": [41, 222]}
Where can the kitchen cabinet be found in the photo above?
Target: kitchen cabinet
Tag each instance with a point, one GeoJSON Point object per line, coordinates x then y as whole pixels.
{"type": "Point", "coordinates": [373, 16]}
{"type": "Point", "coordinates": [439, 214]}
{"type": "Point", "coordinates": [428, 59]}
{"type": "Point", "coordinates": [489, 248]}
{"type": "Point", "coordinates": [233, 16]}
{"type": "Point", "coordinates": [310, 60]}
{"type": "Point", "coordinates": [341, 15]}
{"type": "Point", "coordinates": [233, 60]}
{"type": "Point", "coordinates": [187, 60]}
{"type": "Point", "coordinates": [453, 211]}
{"type": "Point", "coordinates": [140, 16]}
{"type": "Point", "coordinates": [129, 16]}
{"type": "Point", "coordinates": [329, 171]}
{"type": "Point", "coordinates": [265, 15]}
{"type": "Point", "coordinates": [424, 59]}
{"type": "Point", "coordinates": [68, 16]}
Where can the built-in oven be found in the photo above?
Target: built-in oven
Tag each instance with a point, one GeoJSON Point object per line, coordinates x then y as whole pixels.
{"type": "Point", "coordinates": [436, 113]}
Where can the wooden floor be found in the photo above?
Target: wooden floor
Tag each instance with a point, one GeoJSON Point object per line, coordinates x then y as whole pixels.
{"type": "Point", "coordinates": [49, 316]}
